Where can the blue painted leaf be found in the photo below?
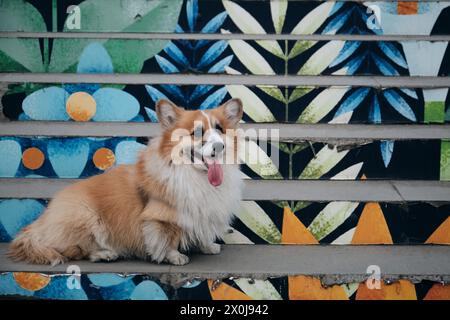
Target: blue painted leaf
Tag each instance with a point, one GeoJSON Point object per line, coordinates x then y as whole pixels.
{"type": "Point", "coordinates": [374, 112]}
{"type": "Point", "coordinates": [46, 104]}
{"type": "Point", "coordinates": [11, 156]}
{"type": "Point", "coordinates": [354, 64]}
{"type": "Point", "coordinates": [393, 53]}
{"type": "Point", "coordinates": [174, 90]}
{"type": "Point", "coordinates": [148, 290]}
{"type": "Point", "coordinates": [191, 13]}
{"type": "Point", "coordinates": [179, 29]}
{"type": "Point", "coordinates": [215, 23]}
{"type": "Point", "coordinates": [214, 99]}
{"type": "Point", "coordinates": [410, 92]}
{"type": "Point", "coordinates": [115, 105]}
{"type": "Point", "coordinates": [16, 214]}
{"type": "Point", "coordinates": [370, 19]}
{"type": "Point", "coordinates": [336, 7]}
{"type": "Point", "coordinates": [95, 59]}
{"type": "Point", "coordinates": [199, 91]}
{"type": "Point", "coordinates": [347, 51]}
{"type": "Point", "coordinates": [155, 94]}
{"type": "Point", "coordinates": [386, 147]}
{"type": "Point", "coordinates": [212, 53]}
{"type": "Point", "coordinates": [384, 66]}
{"type": "Point", "coordinates": [399, 104]}
{"type": "Point", "coordinates": [166, 65]}
{"type": "Point", "coordinates": [68, 156]}
{"type": "Point", "coordinates": [334, 25]}
{"type": "Point", "coordinates": [352, 102]}
{"type": "Point", "coordinates": [185, 43]}
{"type": "Point", "coordinates": [175, 53]}
{"type": "Point", "coordinates": [219, 67]}
{"type": "Point", "coordinates": [151, 114]}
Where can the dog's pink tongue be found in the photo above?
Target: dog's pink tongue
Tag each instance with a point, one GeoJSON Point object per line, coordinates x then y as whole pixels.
{"type": "Point", "coordinates": [215, 173]}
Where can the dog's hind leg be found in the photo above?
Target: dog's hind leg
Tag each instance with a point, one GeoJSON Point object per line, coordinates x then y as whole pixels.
{"type": "Point", "coordinates": [101, 250]}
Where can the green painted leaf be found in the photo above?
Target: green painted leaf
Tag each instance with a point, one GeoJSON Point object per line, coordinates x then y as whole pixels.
{"type": "Point", "coordinates": [128, 56]}
{"type": "Point", "coordinates": [257, 160]}
{"type": "Point", "coordinates": [278, 10]}
{"type": "Point", "coordinates": [300, 205]}
{"type": "Point", "coordinates": [321, 105]}
{"type": "Point", "coordinates": [248, 24]}
{"type": "Point", "coordinates": [284, 147]}
{"type": "Point", "coordinates": [258, 289]}
{"type": "Point", "coordinates": [308, 25]}
{"type": "Point", "coordinates": [254, 217]}
{"type": "Point", "coordinates": [331, 217]}
{"type": "Point", "coordinates": [299, 92]}
{"type": "Point", "coordinates": [254, 107]}
{"type": "Point", "coordinates": [323, 162]}
{"type": "Point", "coordinates": [20, 16]}
{"type": "Point", "coordinates": [320, 60]}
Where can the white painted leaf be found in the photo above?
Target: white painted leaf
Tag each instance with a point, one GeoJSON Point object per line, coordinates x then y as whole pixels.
{"type": "Point", "coordinates": [350, 173]}
{"type": "Point", "coordinates": [258, 289]}
{"type": "Point", "coordinates": [278, 10]}
{"type": "Point", "coordinates": [249, 57]}
{"type": "Point", "coordinates": [235, 237]}
{"type": "Point", "coordinates": [254, 217]}
{"type": "Point", "coordinates": [345, 238]}
{"type": "Point", "coordinates": [254, 107]}
{"type": "Point", "coordinates": [331, 217]}
{"type": "Point", "coordinates": [320, 60]}
{"type": "Point", "coordinates": [343, 118]}
{"type": "Point", "coordinates": [322, 104]}
{"type": "Point", "coordinates": [323, 162]}
{"type": "Point", "coordinates": [256, 159]}
{"type": "Point", "coordinates": [248, 24]}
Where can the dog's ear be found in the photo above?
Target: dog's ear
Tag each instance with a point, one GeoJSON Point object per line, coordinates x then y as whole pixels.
{"type": "Point", "coordinates": [233, 111]}
{"type": "Point", "coordinates": [167, 112]}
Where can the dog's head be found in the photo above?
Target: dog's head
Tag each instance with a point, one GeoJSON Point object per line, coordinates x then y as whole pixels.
{"type": "Point", "coordinates": [204, 139]}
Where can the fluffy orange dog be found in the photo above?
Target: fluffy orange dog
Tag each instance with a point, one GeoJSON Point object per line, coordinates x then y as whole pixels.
{"type": "Point", "coordinates": [180, 194]}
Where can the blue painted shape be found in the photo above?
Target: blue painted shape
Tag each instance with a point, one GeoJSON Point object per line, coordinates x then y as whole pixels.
{"type": "Point", "coordinates": [46, 104]}
{"type": "Point", "coordinates": [115, 105]}
{"type": "Point", "coordinates": [151, 114]}
{"type": "Point", "coordinates": [84, 87]}
{"type": "Point", "coordinates": [374, 112]}
{"type": "Point", "coordinates": [387, 148]}
{"type": "Point", "coordinates": [393, 53]}
{"type": "Point", "coordinates": [120, 291]}
{"type": "Point", "coordinates": [68, 156]}
{"type": "Point", "coordinates": [127, 152]}
{"type": "Point", "coordinates": [16, 214]}
{"type": "Point", "coordinates": [4, 236]}
{"type": "Point", "coordinates": [191, 284]}
{"type": "Point", "coordinates": [219, 67]}
{"type": "Point", "coordinates": [166, 65]}
{"type": "Point", "coordinates": [138, 118]}
{"type": "Point", "coordinates": [58, 289]}
{"type": "Point", "coordinates": [191, 13]}
{"type": "Point", "coordinates": [155, 94]}
{"type": "Point", "coordinates": [215, 99]}
{"type": "Point", "coordinates": [174, 90]}
{"type": "Point", "coordinates": [95, 59]}
{"type": "Point", "coordinates": [212, 53]}
{"type": "Point", "coordinates": [148, 290]}
{"type": "Point", "coordinates": [9, 286]}
{"type": "Point", "coordinates": [399, 104]}
{"type": "Point", "coordinates": [23, 117]}
{"type": "Point", "coordinates": [348, 49]}
{"type": "Point", "coordinates": [199, 91]}
{"type": "Point", "coordinates": [354, 64]}
{"type": "Point", "coordinates": [212, 26]}
{"type": "Point", "coordinates": [410, 92]}
{"type": "Point", "coordinates": [175, 53]}
{"type": "Point", "coordinates": [336, 7]}
{"type": "Point", "coordinates": [384, 66]}
{"type": "Point", "coordinates": [106, 279]}
{"type": "Point", "coordinates": [11, 155]}
{"type": "Point", "coordinates": [352, 102]}
{"type": "Point", "coordinates": [337, 22]}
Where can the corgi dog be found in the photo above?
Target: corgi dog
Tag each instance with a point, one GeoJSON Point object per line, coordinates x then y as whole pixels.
{"type": "Point", "coordinates": [179, 195]}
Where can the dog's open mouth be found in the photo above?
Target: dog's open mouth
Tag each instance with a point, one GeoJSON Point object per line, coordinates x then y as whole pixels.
{"type": "Point", "coordinates": [213, 166]}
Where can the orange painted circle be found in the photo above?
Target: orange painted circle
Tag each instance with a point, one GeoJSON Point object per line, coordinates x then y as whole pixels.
{"type": "Point", "coordinates": [81, 106]}
{"type": "Point", "coordinates": [104, 158]}
{"type": "Point", "coordinates": [31, 281]}
{"type": "Point", "coordinates": [33, 158]}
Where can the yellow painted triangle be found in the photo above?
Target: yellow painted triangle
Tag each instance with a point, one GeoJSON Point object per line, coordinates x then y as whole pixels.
{"type": "Point", "coordinates": [226, 292]}
{"type": "Point", "coordinates": [442, 234]}
{"type": "Point", "coordinates": [372, 227]}
{"type": "Point", "coordinates": [294, 232]}
{"type": "Point", "coordinates": [309, 288]}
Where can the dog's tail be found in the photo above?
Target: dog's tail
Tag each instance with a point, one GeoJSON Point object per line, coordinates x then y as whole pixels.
{"type": "Point", "coordinates": [25, 247]}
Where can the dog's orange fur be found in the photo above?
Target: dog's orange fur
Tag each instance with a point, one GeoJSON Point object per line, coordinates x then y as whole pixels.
{"type": "Point", "coordinates": [115, 205]}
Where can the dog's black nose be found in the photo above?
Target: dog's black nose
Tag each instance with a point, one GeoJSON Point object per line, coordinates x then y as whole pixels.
{"type": "Point", "coordinates": [217, 148]}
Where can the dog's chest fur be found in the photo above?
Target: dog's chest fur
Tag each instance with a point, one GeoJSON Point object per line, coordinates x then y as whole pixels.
{"type": "Point", "coordinates": [203, 211]}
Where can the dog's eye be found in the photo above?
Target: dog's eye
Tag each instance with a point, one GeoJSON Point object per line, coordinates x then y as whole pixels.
{"type": "Point", "coordinates": [197, 132]}
{"type": "Point", "coordinates": [218, 127]}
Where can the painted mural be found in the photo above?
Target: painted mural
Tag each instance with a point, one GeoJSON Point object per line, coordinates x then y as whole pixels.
{"type": "Point", "coordinates": [257, 222]}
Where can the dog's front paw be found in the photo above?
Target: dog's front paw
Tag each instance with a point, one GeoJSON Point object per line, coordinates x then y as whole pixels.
{"type": "Point", "coordinates": [212, 248]}
{"type": "Point", "coordinates": [177, 258]}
